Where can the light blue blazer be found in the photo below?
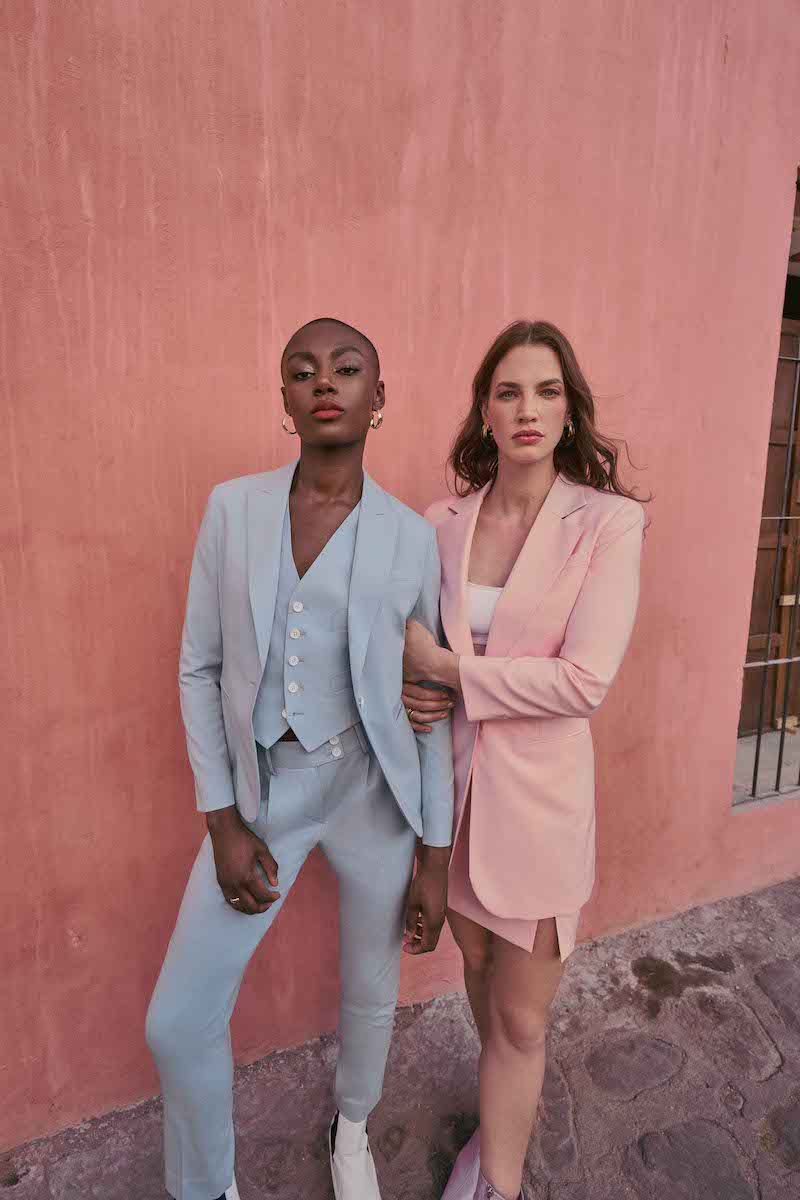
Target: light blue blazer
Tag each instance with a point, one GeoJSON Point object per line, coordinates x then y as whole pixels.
{"type": "Point", "coordinates": [229, 615]}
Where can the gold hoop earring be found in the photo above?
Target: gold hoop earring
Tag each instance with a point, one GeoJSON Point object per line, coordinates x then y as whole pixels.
{"type": "Point", "coordinates": [486, 433]}
{"type": "Point", "coordinates": [285, 429]}
{"type": "Point", "coordinates": [569, 431]}
{"type": "Point", "coordinates": [376, 420]}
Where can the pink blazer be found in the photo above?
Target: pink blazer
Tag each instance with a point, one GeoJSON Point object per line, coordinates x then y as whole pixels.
{"type": "Point", "coordinates": [521, 735]}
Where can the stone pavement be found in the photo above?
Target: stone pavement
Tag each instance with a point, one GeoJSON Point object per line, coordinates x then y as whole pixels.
{"type": "Point", "coordinates": [674, 1074]}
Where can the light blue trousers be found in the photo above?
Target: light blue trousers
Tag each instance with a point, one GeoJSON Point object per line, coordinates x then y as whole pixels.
{"type": "Point", "coordinates": [342, 804]}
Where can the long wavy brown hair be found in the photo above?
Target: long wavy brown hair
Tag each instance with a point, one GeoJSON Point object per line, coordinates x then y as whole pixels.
{"type": "Point", "coordinates": [589, 457]}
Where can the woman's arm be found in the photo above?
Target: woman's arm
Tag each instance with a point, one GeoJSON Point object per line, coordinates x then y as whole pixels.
{"type": "Point", "coordinates": [435, 751]}
{"type": "Point", "coordinates": [597, 635]}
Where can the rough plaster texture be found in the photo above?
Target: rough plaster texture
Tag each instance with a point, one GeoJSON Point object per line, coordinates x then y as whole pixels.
{"type": "Point", "coordinates": [186, 181]}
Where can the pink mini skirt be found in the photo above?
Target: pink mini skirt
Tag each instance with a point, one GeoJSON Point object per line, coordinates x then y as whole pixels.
{"type": "Point", "coordinates": [462, 899]}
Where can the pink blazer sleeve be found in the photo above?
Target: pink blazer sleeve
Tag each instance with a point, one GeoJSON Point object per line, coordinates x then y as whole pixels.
{"type": "Point", "coordinates": [597, 635]}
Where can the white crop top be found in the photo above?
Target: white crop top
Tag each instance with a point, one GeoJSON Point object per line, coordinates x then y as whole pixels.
{"type": "Point", "coordinates": [481, 603]}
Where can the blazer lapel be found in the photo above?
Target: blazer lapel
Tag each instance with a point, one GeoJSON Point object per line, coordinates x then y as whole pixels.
{"type": "Point", "coordinates": [455, 544]}
{"type": "Point", "coordinates": [266, 508]}
{"type": "Point", "coordinates": [547, 547]}
{"type": "Point", "coordinates": [372, 563]}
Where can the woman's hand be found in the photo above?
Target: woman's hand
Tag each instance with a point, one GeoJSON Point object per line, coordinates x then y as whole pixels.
{"type": "Point", "coordinates": [424, 659]}
{"type": "Point", "coordinates": [244, 863]}
{"type": "Point", "coordinates": [425, 705]}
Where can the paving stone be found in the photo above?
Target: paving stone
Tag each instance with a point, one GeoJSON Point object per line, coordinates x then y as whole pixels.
{"type": "Point", "coordinates": [696, 1160]}
{"type": "Point", "coordinates": [555, 1130]}
{"type": "Point", "coordinates": [784, 1126]}
{"type": "Point", "coordinates": [728, 1031]}
{"type": "Point", "coordinates": [614, 1189]}
{"type": "Point", "coordinates": [781, 982]}
{"type": "Point", "coordinates": [662, 980]}
{"type": "Point", "coordinates": [722, 962]}
{"type": "Point", "coordinates": [29, 1183]}
{"type": "Point", "coordinates": [625, 1066]}
{"type": "Point", "coordinates": [81, 1177]}
{"type": "Point", "coordinates": [710, 1122]}
{"type": "Point", "coordinates": [731, 1097]}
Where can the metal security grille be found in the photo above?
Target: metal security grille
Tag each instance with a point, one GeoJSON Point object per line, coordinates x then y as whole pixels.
{"type": "Point", "coordinates": [769, 746]}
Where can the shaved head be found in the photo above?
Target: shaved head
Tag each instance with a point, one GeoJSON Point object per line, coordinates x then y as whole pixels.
{"type": "Point", "coordinates": [349, 333]}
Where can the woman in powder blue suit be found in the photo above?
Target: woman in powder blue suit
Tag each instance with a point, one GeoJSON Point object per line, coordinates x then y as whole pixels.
{"type": "Point", "coordinates": [291, 676]}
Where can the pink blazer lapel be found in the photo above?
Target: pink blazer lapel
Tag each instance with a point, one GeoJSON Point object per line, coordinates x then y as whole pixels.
{"type": "Point", "coordinates": [455, 543]}
{"type": "Point", "coordinates": [546, 549]}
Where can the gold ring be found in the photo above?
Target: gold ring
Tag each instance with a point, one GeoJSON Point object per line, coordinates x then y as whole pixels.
{"type": "Point", "coordinates": [410, 712]}
{"type": "Point", "coordinates": [234, 900]}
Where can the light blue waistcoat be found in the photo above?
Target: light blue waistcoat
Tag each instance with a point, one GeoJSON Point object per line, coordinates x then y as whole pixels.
{"type": "Point", "coordinates": [307, 684]}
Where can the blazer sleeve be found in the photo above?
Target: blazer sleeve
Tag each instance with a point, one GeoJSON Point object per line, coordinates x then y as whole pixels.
{"type": "Point", "coordinates": [200, 671]}
{"type": "Point", "coordinates": [435, 748]}
{"type": "Point", "coordinates": [598, 631]}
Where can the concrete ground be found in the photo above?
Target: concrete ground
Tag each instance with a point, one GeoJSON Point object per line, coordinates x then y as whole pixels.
{"type": "Point", "coordinates": [674, 1074]}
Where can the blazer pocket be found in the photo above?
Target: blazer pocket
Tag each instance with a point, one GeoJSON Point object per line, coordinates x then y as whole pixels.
{"type": "Point", "coordinates": [528, 732]}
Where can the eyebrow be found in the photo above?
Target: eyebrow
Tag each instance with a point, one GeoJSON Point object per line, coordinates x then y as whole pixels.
{"type": "Point", "coordinates": [541, 383]}
{"type": "Point", "coordinates": [337, 353]}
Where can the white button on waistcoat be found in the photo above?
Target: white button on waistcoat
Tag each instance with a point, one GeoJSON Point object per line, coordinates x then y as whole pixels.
{"type": "Point", "coordinates": [284, 713]}
{"type": "Point", "coordinates": [293, 660]}
{"type": "Point", "coordinates": [293, 687]}
{"type": "Point", "coordinates": [294, 633]}
{"type": "Point", "coordinates": [298, 605]}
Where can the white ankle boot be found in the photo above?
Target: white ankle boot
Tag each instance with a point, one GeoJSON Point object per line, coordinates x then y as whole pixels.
{"type": "Point", "coordinates": [352, 1166]}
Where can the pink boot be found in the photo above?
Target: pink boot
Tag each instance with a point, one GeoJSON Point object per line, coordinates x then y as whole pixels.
{"type": "Point", "coordinates": [466, 1169]}
{"type": "Point", "coordinates": [485, 1191]}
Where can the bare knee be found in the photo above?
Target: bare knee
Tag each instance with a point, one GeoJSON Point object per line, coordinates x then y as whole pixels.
{"type": "Point", "coordinates": [523, 1030]}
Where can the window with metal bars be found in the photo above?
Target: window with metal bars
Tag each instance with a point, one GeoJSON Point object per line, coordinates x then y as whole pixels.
{"type": "Point", "coordinates": [768, 750]}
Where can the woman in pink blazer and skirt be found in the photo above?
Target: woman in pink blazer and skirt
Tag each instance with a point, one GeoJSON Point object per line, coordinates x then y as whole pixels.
{"type": "Point", "coordinates": [540, 578]}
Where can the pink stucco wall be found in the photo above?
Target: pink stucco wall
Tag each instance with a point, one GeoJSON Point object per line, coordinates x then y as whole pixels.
{"type": "Point", "coordinates": [187, 181]}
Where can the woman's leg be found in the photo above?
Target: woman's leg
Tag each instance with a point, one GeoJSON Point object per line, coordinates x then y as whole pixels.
{"type": "Point", "coordinates": [475, 944]}
{"type": "Point", "coordinates": [521, 989]}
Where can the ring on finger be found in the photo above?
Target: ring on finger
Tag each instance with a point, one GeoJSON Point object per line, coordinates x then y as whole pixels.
{"type": "Point", "coordinates": [410, 712]}
{"type": "Point", "coordinates": [234, 900]}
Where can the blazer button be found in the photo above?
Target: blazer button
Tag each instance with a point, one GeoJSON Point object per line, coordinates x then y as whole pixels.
{"type": "Point", "coordinates": [294, 634]}
{"type": "Point", "coordinates": [293, 687]}
{"type": "Point", "coordinates": [337, 751]}
{"type": "Point", "coordinates": [297, 606]}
